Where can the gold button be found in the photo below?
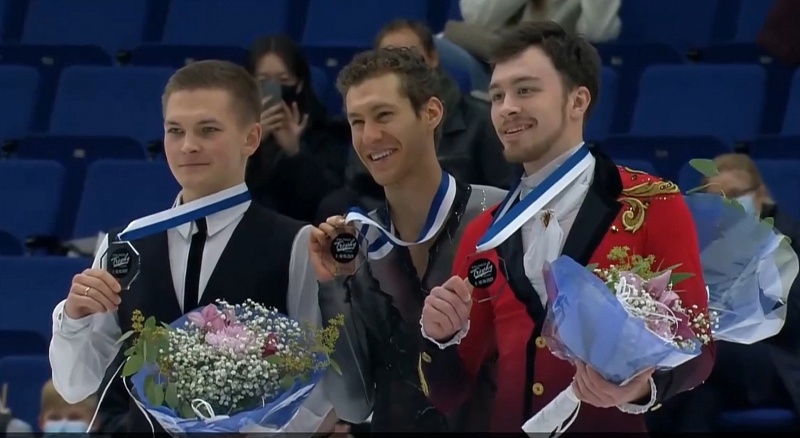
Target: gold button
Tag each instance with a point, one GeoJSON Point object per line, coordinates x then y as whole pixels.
{"type": "Point", "coordinates": [540, 343]}
{"type": "Point", "coordinates": [538, 389]}
{"type": "Point", "coordinates": [426, 358]}
{"type": "Point", "coordinates": [657, 406]}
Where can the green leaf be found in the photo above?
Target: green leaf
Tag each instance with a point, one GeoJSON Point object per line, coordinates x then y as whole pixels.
{"type": "Point", "coordinates": [151, 352]}
{"type": "Point", "coordinates": [150, 323]}
{"type": "Point", "coordinates": [171, 396]}
{"type": "Point", "coordinates": [592, 266]}
{"type": "Point", "coordinates": [704, 166]}
{"type": "Point", "coordinates": [130, 351]}
{"type": "Point", "coordinates": [335, 366]}
{"type": "Point", "coordinates": [287, 382]}
{"type": "Point", "coordinates": [678, 277]}
{"type": "Point", "coordinates": [274, 359]}
{"type": "Point", "coordinates": [186, 410]}
{"type": "Point", "coordinates": [132, 365]}
{"type": "Point", "coordinates": [124, 337]}
{"type": "Point", "coordinates": [769, 221]}
{"type": "Point", "coordinates": [698, 189]}
{"type": "Point", "coordinates": [166, 326]}
{"type": "Point", "coordinates": [154, 392]}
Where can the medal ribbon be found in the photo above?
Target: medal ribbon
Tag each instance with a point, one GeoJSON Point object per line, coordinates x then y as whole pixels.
{"type": "Point", "coordinates": [509, 219]}
{"type": "Point", "coordinates": [184, 213]}
{"type": "Point", "coordinates": [437, 215]}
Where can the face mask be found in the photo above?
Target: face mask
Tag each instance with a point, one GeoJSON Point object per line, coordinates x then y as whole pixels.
{"type": "Point", "coordinates": [749, 204]}
{"type": "Point", "coordinates": [65, 426]}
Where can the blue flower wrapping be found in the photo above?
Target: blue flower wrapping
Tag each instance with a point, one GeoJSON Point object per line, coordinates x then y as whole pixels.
{"type": "Point", "coordinates": [585, 321]}
{"type": "Point", "coordinates": [748, 267]}
{"type": "Point", "coordinates": [272, 416]}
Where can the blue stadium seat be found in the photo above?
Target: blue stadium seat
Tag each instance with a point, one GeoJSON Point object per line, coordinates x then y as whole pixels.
{"type": "Point", "coordinates": [10, 244]}
{"type": "Point", "coordinates": [642, 165]}
{"type": "Point", "coordinates": [118, 191]}
{"type": "Point", "coordinates": [667, 154]}
{"type": "Point", "coordinates": [775, 147]}
{"type": "Point", "coordinates": [25, 376]}
{"type": "Point", "coordinates": [225, 22]}
{"type": "Point", "coordinates": [76, 154]}
{"type": "Point", "coordinates": [111, 24]}
{"type": "Point", "coordinates": [30, 193]}
{"type": "Point", "coordinates": [714, 100]}
{"type": "Point", "coordinates": [752, 14]}
{"type": "Point", "coordinates": [656, 21]}
{"type": "Point", "coordinates": [22, 342]}
{"type": "Point", "coordinates": [791, 119]}
{"type": "Point", "coordinates": [598, 126]}
{"type": "Point", "coordinates": [629, 61]}
{"type": "Point", "coordinates": [113, 101]}
{"type": "Point", "coordinates": [782, 177]}
{"type": "Point", "coordinates": [759, 421]}
{"type": "Point", "coordinates": [158, 55]}
{"type": "Point", "coordinates": [35, 284]}
{"type": "Point", "coordinates": [19, 89]}
{"type": "Point", "coordinates": [12, 19]}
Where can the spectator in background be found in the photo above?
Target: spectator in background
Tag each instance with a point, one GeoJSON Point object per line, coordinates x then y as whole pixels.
{"type": "Point", "coordinates": [597, 20]}
{"type": "Point", "coordinates": [764, 374]}
{"type": "Point", "coordinates": [57, 416]}
{"type": "Point", "coordinates": [466, 142]}
{"type": "Point", "coordinates": [303, 153]}
{"type": "Point", "coordinates": [780, 35]}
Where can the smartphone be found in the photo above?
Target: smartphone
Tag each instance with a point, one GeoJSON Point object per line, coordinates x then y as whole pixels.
{"type": "Point", "coordinates": [271, 93]}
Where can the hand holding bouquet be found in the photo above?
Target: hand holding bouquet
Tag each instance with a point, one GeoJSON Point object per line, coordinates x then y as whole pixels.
{"type": "Point", "coordinates": [226, 368]}
{"type": "Point", "coordinates": [620, 321]}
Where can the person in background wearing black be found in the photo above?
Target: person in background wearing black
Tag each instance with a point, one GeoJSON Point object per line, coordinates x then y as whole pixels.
{"type": "Point", "coordinates": [467, 145]}
{"type": "Point", "coordinates": [765, 374]}
{"type": "Point", "coordinates": [304, 150]}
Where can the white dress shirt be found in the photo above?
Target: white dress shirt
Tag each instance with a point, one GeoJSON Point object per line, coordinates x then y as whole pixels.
{"type": "Point", "coordinates": [82, 349]}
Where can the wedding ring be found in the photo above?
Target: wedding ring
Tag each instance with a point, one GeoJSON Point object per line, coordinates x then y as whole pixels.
{"type": "Point", "coordinates": [86, 292]}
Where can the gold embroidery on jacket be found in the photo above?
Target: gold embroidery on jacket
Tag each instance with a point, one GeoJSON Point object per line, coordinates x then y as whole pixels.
{"type": "Point", "coordinates": [636, 200]}
{"type": "Point", "coordinates": [423, 383]}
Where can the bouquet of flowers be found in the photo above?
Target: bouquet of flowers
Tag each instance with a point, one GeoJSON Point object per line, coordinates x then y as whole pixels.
{"type": "Point", "coordinates": [620, 321]}
{"type": "Point", "coordinates": [226, 368]}
{"type": "Point", "coordinates": [748, 266]}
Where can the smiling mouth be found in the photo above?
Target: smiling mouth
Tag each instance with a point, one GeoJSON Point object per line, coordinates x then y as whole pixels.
{"type": "Point", "coordinates": [194, 165]}
{"type": "Point", "coordinates": [377, 156]}
{"type": "Point", "coordinates": [517, 129]}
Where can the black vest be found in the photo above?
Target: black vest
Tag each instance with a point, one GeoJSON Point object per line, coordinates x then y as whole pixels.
{"type": "Point", "coordinates": [254, 265]}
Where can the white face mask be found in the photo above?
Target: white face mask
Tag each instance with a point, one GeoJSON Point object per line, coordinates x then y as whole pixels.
{"type": "Point", "coordinates": [748, 202]}
{"type": "Point", "coordinates": [65, 426]}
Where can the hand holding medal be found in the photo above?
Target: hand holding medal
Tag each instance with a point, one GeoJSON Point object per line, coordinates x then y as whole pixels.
{"type": "Point", "coordinates": [337, 249]}
{"type": "Point", "coordinates": [487, 275]}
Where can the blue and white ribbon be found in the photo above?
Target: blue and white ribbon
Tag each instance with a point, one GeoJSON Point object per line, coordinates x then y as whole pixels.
{"type": "Point", "coordinates": [509, 219]}
{"type": "Point", "coordinates": [191, 211]}
{"type": "Point", "coordinates": [385, 239]}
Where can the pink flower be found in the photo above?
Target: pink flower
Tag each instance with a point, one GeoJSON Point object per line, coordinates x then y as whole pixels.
{"type": "Point", "coordinates": [234, 338]}
{"type": "Point", "coordinates": [211, 319]}
{"type": "Point", "coordinates": [658, 287]}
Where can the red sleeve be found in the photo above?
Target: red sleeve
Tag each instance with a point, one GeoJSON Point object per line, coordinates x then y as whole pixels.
{"type": "Point", "coordinates": [448, 375]}
{"type": "Point", "coordinates": [671, 238]}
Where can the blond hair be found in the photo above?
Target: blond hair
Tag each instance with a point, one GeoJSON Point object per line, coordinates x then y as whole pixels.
{"type": "Point", "coordinates": [735, 162]}
{"type": "Point", "coordinates": [52, 400]}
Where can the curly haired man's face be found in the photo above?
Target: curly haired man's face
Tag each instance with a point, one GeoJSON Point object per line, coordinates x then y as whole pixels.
{"type": "Point", "coordinates": [388, 135]}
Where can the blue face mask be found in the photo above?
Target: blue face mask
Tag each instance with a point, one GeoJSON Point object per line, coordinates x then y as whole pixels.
{"type": "Point", "coordinates": [748, 203]}
{"type": "Point", "coordinates": [65, 426]}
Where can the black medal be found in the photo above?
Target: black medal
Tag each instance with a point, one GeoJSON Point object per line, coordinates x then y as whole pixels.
{"type": "Point", "coordinates": [344, 248]}
{"type": "Point", "coordinates": [123, 263]}
{"type": "Point", "coordinates": [482, 273]}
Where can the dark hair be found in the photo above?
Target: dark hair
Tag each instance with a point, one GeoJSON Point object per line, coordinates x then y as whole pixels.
{"type": "Point", "coordinates": [291, 54]}
{"type": "Point", "coordinates": [219, 75]}
{"type": "Point", "coordinates": [576, 61]}
{"type": "Point", "coordinates": [420, 29]}
{"type": "Point", "coordinates": [418, 81]}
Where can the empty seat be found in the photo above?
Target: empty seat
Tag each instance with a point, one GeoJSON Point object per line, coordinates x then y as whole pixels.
{"type": "Point", "coordinates": [10, 245]}
{"type": "Point", "coordinates": [752, 14]}
{"type": "Point", "coordinates": [724, 101]}
{"type": "Point", "coordinates": [598, 126]}
{"type": "Point", "coordinates": [33, 286]}
{"type": "Point", "coordinates": [657, 21]}
{"type": "Point", "coordinates": [25, 377]}
{"type": "Point", "coordinates": [640, 165]}
{"type": "Point", "coordinates": [19, 90]}
{"type": "Point", "coordinates": [75, 154]}
{"type": "Point", "coordinates": [791, 119]}
{"type": "Point", "coordinates": [325, 19]}
{"type": "Point", "coordinates": [22, 342]}
{"type": "Point", "coordinates": [178, 56]}
{"type": "Point", "coordinates": [118, 191]}
{"type": "Point", "coordinates": [225, 22]}
{"type": "Point", "coordinates": [113, 101]}
{"type": "Point", "coordinates": [110, 24]}
{"type": "Point", "coordinates": [30, 193]}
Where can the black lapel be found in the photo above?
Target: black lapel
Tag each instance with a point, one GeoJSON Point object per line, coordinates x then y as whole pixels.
{"type": "Point", "coordinates": [162, 272]}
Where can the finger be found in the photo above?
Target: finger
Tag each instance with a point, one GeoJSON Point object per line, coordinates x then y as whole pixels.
{"type": "Point", "coordinates": [82, 281]}
{"type": "Point", "coordinates": [329, 230]}
{"type": "Point", "coordinates": [318, 237]}
{"type": "Point", "coordinates": [107, 278]}
{"type": "Point", "coordinates": [442, 306]}
{"type": "Point", "coordinates": [273, 109]}
{"type": "Point", "coordinates": [336, 221]}
{"type": "Point", "coordinates": [92, 298]}
{"type": "Point", "coordinates": [587, 394]}
{"type": "Point", "coordinates": [303, 122]}
{"type": "Point", "coordinates": [434, 317]}
{"type": "Point", "coordinates": [93, 306]}
{"type": "Point", "coordinates": [604, 391]}
{"type": "Point", "coordinates": [458, 306]}
{"type": "Point", "coordinates": [276, 119]}
{"type": "Point", "coordinates": [458, 286]}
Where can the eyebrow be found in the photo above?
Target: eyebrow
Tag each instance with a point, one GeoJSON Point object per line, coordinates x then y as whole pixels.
{"type": "Point", "coordinates": [526, 78]}
{"type": "Point", "coordinates": [201, 122]}
{"type": "Point", "coordinates": [372, 109]}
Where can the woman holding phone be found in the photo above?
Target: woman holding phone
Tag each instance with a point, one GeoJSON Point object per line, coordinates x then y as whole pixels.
{"type": "Point", "coordinates": [304, 149]}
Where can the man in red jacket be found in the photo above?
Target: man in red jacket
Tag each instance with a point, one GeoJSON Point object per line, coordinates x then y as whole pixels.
{"type": "Point", "coordinates": [569, 201]}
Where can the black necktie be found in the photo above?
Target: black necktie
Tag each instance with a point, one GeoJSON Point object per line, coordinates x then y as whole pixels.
{"type": "Point", "coordinates": [191, 290]}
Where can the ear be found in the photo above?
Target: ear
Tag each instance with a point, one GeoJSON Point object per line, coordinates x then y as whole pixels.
{"type": "Point", "coordinates": [253, 140]}
{"type": "Point", "coordinates": [434, 58]}
{"type": "Point", "coordinates": [580, 102]}
{"type": "Point", "coordinates": [434, 112]}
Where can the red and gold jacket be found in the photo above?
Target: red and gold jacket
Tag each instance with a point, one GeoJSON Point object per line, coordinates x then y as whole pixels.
{"type": "Point", "coordinates": [623, 207]}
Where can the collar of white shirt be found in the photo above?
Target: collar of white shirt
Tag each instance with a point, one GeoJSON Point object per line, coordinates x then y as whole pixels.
{"type": "Point", "coordinates": [529, 182]}
{"type": "Point", "coordinates": [219, 220]}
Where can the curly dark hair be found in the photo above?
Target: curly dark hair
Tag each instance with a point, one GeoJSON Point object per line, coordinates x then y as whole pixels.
{"type": "Point", "coordinates": [575, 59]}
{"type": "Point", "coordinates": [418, 81]}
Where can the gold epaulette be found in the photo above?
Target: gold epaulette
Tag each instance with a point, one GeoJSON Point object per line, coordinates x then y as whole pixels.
{"type": "Point", "coordinates": [637, 199]}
